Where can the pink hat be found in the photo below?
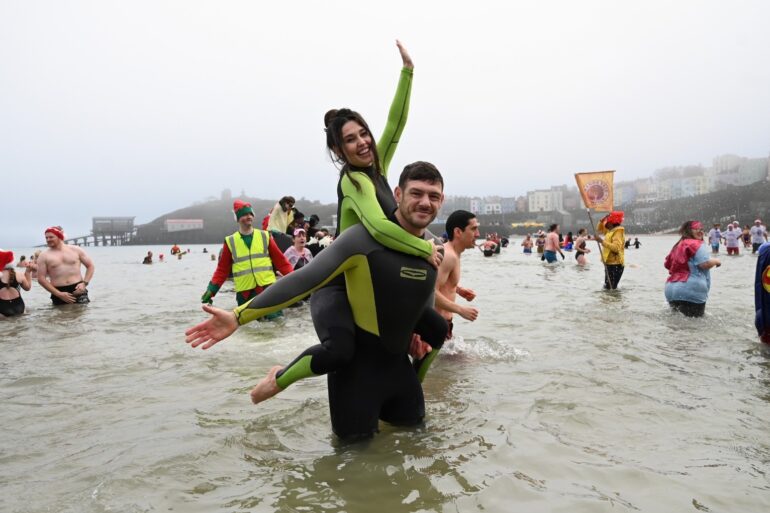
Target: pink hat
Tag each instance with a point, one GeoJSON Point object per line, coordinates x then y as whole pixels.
{"type": "Point", "coordinates": [298, 231]}
{"type": "Point", "coordinates": [757, 220]}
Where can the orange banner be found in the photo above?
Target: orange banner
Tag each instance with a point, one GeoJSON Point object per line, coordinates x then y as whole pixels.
{"type": "Point", "coordinates": [596, 189]}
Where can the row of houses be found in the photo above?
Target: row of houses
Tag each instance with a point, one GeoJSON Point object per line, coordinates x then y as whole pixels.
{"type": "Point", "coordinates": [666, 184]}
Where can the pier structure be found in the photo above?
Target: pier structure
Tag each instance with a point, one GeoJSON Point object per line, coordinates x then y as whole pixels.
{"type": "Point", "coordinates": [107, 231]}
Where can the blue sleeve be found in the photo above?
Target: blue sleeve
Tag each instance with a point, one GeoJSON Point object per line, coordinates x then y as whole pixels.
{"type": "Point", "coordinates": [701, 256]}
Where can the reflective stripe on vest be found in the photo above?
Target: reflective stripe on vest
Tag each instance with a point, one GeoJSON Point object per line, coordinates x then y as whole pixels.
{"type": "Point", "coordinates": [252, 267]}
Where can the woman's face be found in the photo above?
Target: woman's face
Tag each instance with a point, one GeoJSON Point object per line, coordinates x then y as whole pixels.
{"type": "Point", "coordinates": [357, 145]}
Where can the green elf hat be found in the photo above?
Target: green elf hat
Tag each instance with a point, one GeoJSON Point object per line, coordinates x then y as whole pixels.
{"type": "Point", "coordinates": [241, 208]}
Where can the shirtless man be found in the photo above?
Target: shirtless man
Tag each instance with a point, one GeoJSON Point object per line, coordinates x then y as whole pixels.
{"type": "Point", "coordinates": [58, 269]}
{"type": "Point", "coordinates": [552, 245]}
{"type": "Point", "coordinates": [462, 229]}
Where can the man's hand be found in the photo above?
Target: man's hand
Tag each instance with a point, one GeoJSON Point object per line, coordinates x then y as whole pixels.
{"type": "Point", "coordinates": [80, 289]}
{"type": "Point", "coordinates": [469, 313]}
{"type": "Point", "coordinates": [466, 294]}
{"type": "Point", "coordinates": [65, 296]}
{"type": "Point", "coordinates": [221, 325]}
{"type": "Point", "coordinates": [417, 348]}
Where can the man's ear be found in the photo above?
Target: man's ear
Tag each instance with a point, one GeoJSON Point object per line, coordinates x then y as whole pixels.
{"type": "Point", "coordinates": [397, 193]}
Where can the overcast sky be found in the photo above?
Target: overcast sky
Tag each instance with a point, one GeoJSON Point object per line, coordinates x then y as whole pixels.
{"type": "Point", "coordinates": [136, 108]}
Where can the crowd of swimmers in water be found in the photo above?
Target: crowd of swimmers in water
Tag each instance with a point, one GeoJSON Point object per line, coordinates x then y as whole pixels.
{"type": "Point", "coordinates": [385, 292]}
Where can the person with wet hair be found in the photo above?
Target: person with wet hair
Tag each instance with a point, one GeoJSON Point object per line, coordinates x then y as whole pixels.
{"type": "Point", "coordinates": [689, 278]}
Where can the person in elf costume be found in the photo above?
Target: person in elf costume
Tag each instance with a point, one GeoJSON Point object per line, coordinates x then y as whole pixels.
{"type": "Point", "coordinates": [252, 257]}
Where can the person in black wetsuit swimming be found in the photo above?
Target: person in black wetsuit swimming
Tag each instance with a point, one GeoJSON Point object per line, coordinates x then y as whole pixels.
{"type": "Point", "coordinates": [388, 293]}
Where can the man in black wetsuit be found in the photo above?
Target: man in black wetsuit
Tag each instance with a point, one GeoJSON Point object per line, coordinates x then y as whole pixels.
{"type": "Point", "coordinates": [388, 292]}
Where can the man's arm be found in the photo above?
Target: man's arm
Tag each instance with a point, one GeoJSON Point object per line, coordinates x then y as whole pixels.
{"type": "Point", "coordinates": [224, 266]}
{"type": "Point", "coordinates": [86, 261]}
{"type": "Point", "coordinates": [280, 262]}
{"type": "Point", "coordinates": [466, 294]}
{"type": "Point", "coordinates": [42, 279]}
{"type": "Point", "coordinates": [444, 303]}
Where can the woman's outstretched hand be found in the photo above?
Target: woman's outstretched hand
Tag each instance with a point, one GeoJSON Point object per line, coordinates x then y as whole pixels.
{"type": "Point", "coordinates": [219, 326]}
{"type": "Point", "coordinates": [436, 256]}
{"type": "Point", "coordinates": [404, 55]}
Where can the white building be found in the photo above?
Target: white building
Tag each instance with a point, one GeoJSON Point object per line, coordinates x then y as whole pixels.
{"type": "Point", "coordinates": [546, 200]}
{"type": "Point", "coordinates": [180, 225]}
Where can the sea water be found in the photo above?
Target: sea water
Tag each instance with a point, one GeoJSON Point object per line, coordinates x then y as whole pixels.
{"type": "Point", "coordinates": [560, 397]}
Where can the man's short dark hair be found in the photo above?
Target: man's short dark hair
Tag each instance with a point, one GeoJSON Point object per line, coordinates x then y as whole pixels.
{"type": "Point", "coordinates": [420, 170]}
{"type": "Point", "coordinates": [458, 219]}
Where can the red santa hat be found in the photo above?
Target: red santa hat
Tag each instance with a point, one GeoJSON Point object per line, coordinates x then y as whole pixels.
{"type": "Point", "coordinates": [56, 230]}
{"type": "Point", "coordinates": [615, 217]}
{"type": "Point", "coordinates": [6, 257]}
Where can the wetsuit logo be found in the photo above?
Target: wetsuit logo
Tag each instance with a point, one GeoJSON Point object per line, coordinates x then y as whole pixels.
{"type": "Point", "coordinates": [414, 274]}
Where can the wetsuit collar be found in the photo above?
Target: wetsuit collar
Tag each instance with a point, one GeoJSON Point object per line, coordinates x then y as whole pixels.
{"type": "Point", "coordinates": [392, 218]}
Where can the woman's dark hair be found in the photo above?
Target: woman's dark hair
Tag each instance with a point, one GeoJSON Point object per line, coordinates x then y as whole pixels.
{"type": "Point", "coordinates": [12, 281]}
{"type": "Point", "coordinates": [553, 227]}
{"type": "Point", "coordinates": [687, 232]}
{"type": "Point", "coordinates": [334, 120]}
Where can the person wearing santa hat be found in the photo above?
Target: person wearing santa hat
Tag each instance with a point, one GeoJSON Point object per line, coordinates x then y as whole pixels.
{"type": "Point", "coordinates": [250, 255]}
{"type": "Point", "coordinates": [58, 269]}
{"type": "Point", "coordinates": [613, 250]}
{"type": "Point", "coordinates": [11, 302]}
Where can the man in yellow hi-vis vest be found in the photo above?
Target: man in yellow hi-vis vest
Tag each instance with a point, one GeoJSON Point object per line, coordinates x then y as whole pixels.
{"type": "Point", "coordinates": [250, 255]}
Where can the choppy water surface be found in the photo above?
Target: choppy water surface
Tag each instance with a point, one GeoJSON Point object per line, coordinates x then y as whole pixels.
{"type": "Point", "coordinates": [561, 397]}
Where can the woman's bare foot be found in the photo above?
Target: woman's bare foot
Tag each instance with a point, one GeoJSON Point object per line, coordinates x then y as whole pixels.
{"type": "Point", "coordinates": [266, 388]}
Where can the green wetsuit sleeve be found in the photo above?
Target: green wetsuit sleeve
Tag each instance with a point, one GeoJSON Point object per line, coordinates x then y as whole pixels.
{"type": "Point", "coordinates": [363, 205]}
{"type": "Point", "coordinates": [399, 110]}
{"type": "Point", "coordinates": [328, 264]}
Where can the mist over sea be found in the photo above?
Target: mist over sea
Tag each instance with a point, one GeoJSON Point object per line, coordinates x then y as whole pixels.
{"type": "Point", "coordinates": [560, 397]}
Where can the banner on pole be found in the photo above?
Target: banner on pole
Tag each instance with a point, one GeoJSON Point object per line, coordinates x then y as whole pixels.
{"type": "Point", "coordinates": [596, 189]}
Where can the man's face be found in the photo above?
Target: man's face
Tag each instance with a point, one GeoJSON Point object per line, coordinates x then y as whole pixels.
{"type": "Point", "coordinates": [467, 237]}
{"type": "Point", "coordinates": [419, 202]}
{"type": "Point", "coordinates": [51, 240]}
{"type": "Point", "coordinates": [246, 221]}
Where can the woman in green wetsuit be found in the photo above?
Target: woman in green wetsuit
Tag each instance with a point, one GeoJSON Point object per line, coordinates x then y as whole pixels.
{"type": "Point", "coordinates": [364, 197]}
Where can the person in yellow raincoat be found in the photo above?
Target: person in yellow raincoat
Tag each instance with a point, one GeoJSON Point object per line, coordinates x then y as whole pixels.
{"type": "Point", "coordinates": [613, 251]}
